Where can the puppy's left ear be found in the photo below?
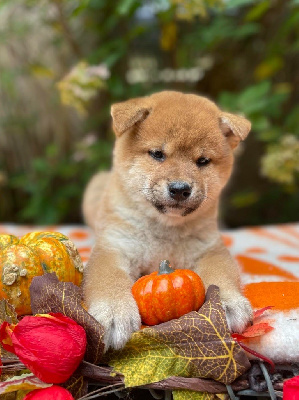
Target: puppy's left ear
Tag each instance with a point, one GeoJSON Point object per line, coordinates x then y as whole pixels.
{"type": "Point", "coordinates": [234, 128]}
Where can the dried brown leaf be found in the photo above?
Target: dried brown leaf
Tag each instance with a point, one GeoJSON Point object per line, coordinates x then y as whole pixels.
{"type": "Point", "coordinates": [77, 385]}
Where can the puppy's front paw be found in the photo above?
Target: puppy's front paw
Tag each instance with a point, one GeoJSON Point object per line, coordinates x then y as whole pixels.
{"type": "Point", "coordinates": [238, 312]}
{"type": "Point", "coordinates": [120, 318]}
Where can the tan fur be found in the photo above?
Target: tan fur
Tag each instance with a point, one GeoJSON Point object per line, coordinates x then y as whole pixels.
{"type": "Point", "coordinates": [137, 222]}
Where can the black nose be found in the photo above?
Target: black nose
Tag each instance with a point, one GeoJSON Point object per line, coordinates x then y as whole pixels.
{"type": "Point", "coordinates": [179, 190]}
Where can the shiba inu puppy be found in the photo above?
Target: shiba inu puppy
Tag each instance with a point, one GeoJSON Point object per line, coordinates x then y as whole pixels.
{"type": "Point", "coordinates": [173, 155]}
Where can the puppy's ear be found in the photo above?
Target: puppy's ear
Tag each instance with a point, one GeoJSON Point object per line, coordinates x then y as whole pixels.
{"type": "Point", "coordinates": [128, 113]}
{"type": "Point", "coordinates": [234, 127]}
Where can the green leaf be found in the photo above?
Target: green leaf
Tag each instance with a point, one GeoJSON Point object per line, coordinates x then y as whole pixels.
{"type": "Point", "coordinates": [258, 11]}
{"type": "Point", "coordinates": [244, 199]}
{"type": "Point", "coordinates": [267, 135]}
{"type": "Point", "coordinates": [239, 3]}
{"type": "Point", "coordinates": [82, 6]}
{"type": "Point", "coordinates": [125, 6]}
{"type": "Point", "coordinates": [256, 101]}
{"type": "Point", "coordinates": [254, 94]}
{"type": "Point", "coordinates": [260, 123]}
{"type": "Point", "coordinates": [292, 120]}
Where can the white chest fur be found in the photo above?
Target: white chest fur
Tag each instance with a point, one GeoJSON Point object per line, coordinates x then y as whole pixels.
{"type": "Point", "coordinates": [144, 242]}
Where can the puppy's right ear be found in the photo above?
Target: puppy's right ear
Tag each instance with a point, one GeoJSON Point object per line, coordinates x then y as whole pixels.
{"type": "Point", "coordinates": [128, 113]}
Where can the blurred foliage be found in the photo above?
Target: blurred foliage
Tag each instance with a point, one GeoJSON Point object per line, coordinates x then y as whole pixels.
{"type": "Point", "coordinates": [54, 181]}
{"type": "Point", "coordinates": [281, 161]}
{"type": "Point", "coordinates": [82, 84]}
{"type": "Point", "coordinates": [187, 10]}
{"type": "Point", "coordinates": [62, 64]}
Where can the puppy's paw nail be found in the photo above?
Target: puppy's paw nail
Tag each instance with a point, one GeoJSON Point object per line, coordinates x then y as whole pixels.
{"type": "Point", "coordinates": [238, 313]}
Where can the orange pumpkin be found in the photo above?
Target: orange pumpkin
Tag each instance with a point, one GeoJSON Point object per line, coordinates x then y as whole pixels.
{"type": "Point", "coordinates": [168, 294]}
{"type": "Point", "coordinates": [35, 254]}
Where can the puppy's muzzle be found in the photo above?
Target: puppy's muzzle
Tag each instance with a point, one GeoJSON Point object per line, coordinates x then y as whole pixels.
{"type": "Point", "coordinates": [179, 190]}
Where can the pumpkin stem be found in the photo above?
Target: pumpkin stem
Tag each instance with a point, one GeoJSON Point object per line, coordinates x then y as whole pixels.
{"type": "Point", "coordinates": [165, 268]}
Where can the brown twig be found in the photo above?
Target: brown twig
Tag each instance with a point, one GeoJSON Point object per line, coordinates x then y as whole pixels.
{"type": "Point", "coordinates": [103, 391]}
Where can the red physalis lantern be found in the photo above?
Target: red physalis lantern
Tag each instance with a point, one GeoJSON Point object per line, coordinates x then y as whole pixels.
{"type": "Point", "coordinates": [50, 345]}
{"type": "Point", "coordinates": [291, 389]}
{"type": "Point", "coordinates": [51, 393]}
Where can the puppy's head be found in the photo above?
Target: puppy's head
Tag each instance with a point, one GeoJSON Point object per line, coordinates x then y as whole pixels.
{"type": "Point", "coordinates": [174, 152]}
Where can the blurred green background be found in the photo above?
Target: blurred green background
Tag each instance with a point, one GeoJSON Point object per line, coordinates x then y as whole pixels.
{"type": "Point", "coordinates": [63, 63]}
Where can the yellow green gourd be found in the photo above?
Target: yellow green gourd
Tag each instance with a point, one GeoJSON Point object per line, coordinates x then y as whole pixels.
{"type": "Point", "coordinates": [32, 255]}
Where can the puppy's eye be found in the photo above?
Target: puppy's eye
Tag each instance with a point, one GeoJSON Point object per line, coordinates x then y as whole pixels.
{"type": "Point", "coordinates": [202, 161]}
{"type": "Point", "coordinates": [157, 155]}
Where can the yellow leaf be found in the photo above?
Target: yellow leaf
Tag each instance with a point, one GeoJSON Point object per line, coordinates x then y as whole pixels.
{"type": "Point", "coordinates": [22, 382]}
{"type": "Point", "coordinates": [41, 71]}
{"type": "Point", "coordinates": [169, 36]}
{"type": "Point", "coordinates": [268, 68]}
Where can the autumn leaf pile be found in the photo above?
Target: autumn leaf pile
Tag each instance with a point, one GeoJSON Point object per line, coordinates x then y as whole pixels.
{"type": "Point", "coordinates": [198, 344]}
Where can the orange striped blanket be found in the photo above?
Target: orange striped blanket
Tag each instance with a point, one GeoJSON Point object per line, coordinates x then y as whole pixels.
{"type": "Point", "coordinates": [269, 261]}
